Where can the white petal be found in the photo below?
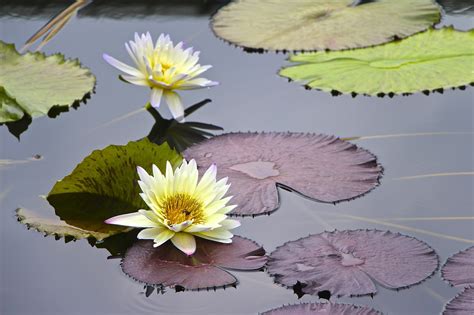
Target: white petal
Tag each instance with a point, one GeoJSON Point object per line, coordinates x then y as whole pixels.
{"type": "Point", "coordinates": [198, 228]}
{"type": "Point", "coordinates": [185, 243]}
{"type": "Point", "coordinates": [175, 105]}
{"type": "Point", "coordinates": [155, 98]}
{"type": "Point", "coordinates": [230, 224]}
{"type": "Point", "coordinates": [194, 84]}
{"type": "Point", "coordinates": [163, 237]}
{"type": "Point", "coordinates": [181, 226]}
{"type": "Point", "coordinates": [150, 234]}
{"type": "Point", "coordinates": [215, 219]}
{"type": "Point", "coordinates": [135, 80]}
{"type": "Point", "coordinates": [122, 67]}
{"type": "Point", "coordinates": [219, 235]}
{"type": "Point", "coordinates": [135, 219]}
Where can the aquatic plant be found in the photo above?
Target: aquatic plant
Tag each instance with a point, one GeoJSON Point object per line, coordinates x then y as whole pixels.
{"type": "Point", "coordinates": [320, 167]}
{"type": "Point", "coordinates": [434, 60]}
{"type": "Point", "coordinates": [349, 262]}
{"type": "Point", "coordinates": [181, 207]}
{"type": "Point", "coordinates": [322, 308]}
{"type": "Point", "coordinates": [34, 85]}
{"type": "Point", "coordinates": [164, 68]}
{"type": "Point", "coordinates": [310, 25]}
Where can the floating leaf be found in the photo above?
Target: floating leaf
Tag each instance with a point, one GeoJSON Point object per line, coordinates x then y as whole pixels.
{"type": "Point", "coordinates": [178, 135]}
{"type": "Point", "coordinates": [57, 228]}
{"type": "Point", "coordinates": [430, 61]}
{"type": "Point", "coordinates": [322, 309]}
{"type": "Point", "coordinates": [35, 85]}
{"type": "Point", "coordinates": [166, 266]}
{"type": "Point", "coordinates": [348, 262]}
{"type": "Point", "coordinates": [321, 167]}
{"type": "Point", "coordinates": [310, 25]}
{"type": "Point", "coordinates": [105, 184]}
{"type": "Point", "coordinates": [459, 269]}
{"type": "Point", "coordinates": [463, 304]}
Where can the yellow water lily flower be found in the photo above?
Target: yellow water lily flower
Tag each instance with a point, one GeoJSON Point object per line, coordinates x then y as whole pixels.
{"type": "Point", "coordinates": [181, 207]}
{"type": "Point", "coordinates": [164, 68]}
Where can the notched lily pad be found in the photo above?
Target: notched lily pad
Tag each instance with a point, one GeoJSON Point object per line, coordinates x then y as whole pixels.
{"type": "Point", "coordinates": [459, 268]}
{"type": "Point", "coordinates": [463, 304]}
{"type": "Point", "coordinates": [166, 266]}
{"type": "Point", "coordinates": [57, 228]}
{"type": "Point", "coordinates": [348, 263]}
{"type": "Point", "coordinates": [34, 85]}
{"type": "Point", "coordinates": [310, 25]}
{"type": "Point", "coordinates": [105, 184]}
{"type": "Point", "coordinates": [320, 167]}
{"type": "Point", "coordinates": [322, 309]}
{"type": "Point", "coordinates": [430, 61]}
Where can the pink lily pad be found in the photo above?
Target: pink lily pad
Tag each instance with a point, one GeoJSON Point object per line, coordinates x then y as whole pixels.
{"type": "Point", "coordinates": [459, 268]}
{"type": "Point", "coordinates": [167, 266]}
{"type": "Point", "coordinates": [323, 168]}
{"type": "Point", "coordinates": [463, 304]}
{"type": "Point", "coordinates": [322, 309]}
{"type": "Point", "coordinates": [347, 263]}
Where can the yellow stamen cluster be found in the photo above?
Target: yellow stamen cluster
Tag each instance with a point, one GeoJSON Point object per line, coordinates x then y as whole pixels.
{"type": "Point", "coordinates": [180, 207]}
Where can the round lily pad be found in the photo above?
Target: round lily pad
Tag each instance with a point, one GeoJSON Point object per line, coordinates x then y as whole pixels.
{"type": "Point", "coordinates": [463, 304]}
{"type": "Point", "coordinates": [35, 85]}
{"type": "Point", "coordinates": [310, 25]}
{"type": "Point", "coordinates": [430, 61]}
{"type": "Point", "coordinates": [459, 268]}
{"type": "Point", "coordinates": [320, 167]}
{"type": "Point", "coordinates": [347, 263]}
{"type": "Point", "coordinates": [322, 309]}
{"type": "Point", "coordinates": [166, 266]}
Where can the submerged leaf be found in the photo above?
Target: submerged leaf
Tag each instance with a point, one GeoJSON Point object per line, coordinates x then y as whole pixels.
{"type": "Point", "coordinates": [34, 84]}
{"type": "Point", "coordinates": [321, 167]}
{"type": "Point", "coordinates": [432, 60]}
{"type": "Point", "coordinates": [105, 184]}
{"type": "Point", "coordinates": [321, 24]}
{"type": "Point", "coordinates": [322, 309]}
{"type": "Point", "coordinates": [463, 304]}
{"type": "Point", "coordinates": [459, 268]}
{"type": "Point", "coordinates": [57, 228]}
{"type": "Point", "coordinates": [347, 263]}
{"type": "Point", "coordinates": [168, 267]}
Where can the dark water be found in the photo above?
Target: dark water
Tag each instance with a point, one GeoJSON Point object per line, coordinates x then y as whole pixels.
{"type": "Point", "coordinates": [43, 276]}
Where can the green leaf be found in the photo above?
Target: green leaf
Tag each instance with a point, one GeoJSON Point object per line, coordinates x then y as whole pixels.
{"type": "Point", "coordinates": [57, 228]}
{"type": "Point", "coordinates": [310, 25]}
{"type": "Point", "coordinates": [432, 60]}
{"type": "Point", "coordinates": [32, 84]}
{"type": "Point", "coordinates": [105, 184]}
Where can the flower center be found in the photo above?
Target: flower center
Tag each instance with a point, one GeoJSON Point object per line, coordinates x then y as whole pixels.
{"type": "Point", "coordinates": [179, 208]}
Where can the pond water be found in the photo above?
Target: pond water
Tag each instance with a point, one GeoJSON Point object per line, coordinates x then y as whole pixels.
{"type": "Point", "coordinates": [43, 276]}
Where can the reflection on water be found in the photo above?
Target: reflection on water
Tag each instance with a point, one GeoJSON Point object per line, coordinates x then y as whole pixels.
{"type": "Point", "coordinates": [43, 276]}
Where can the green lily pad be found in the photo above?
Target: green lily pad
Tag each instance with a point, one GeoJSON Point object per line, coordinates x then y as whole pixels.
{"type": "Point", "coordinates": [430, 61]}
{"type": "Point", "coordinates": [57, 228]}
{"type": "Point", "coordinates": [311, 25]}
{"type": "Point", "coordinates": [36, 85]}
{"type": "Point", "coordinates": [105, 184]}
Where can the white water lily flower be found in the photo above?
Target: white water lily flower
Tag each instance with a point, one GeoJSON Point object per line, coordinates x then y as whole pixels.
{"type": "Point", "coordinates": [181, 207]}
{"type": "Point", "coordinates": [164, 68]}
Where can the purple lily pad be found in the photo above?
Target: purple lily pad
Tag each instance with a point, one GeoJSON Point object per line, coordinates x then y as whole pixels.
{"type": "Point", "coordinates": [459, 268]}
{"type": "Point", "coordinates": [167, 266]}
{"type": "Point", "coordinates": [463, 304]}
{"type": "Point", "coordinates": [347, 263]}
{"type": "Point", "coordinates": [324, 168]}
{"type": "Point", "coordinates": [322, 309]}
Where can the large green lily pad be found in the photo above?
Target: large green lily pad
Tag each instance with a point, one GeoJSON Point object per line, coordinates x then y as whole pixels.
{"type": "Point", "coordinates": [105, 184]}
{"type": "Point", "coordinates": [432, 60]}
{"type": "Point", "coordinates": [35, 85]}
{"type": "Point", "coordinates": [312, 25]}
